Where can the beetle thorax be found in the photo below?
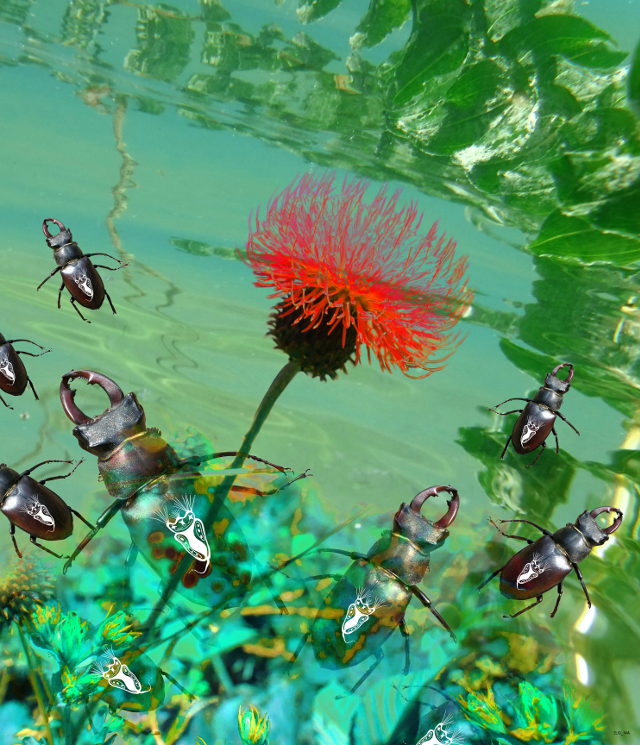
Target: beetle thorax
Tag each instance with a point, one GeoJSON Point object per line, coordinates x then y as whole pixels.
{"type": "Point", "coordinates": [64, 254]}
{"type": "Point", "coordinates": [401, 556]}
{"type": "Point", "coordinates": [549, 398]}
{"type": "Point", "coordinates": [572, 541]}
{"type": "Point", "coordinates": [136, 461]}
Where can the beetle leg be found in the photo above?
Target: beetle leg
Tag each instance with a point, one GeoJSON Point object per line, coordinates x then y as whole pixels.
{"type": "Point", "coordinates": [196, 460]}
{"type": "Point", "coordinates": [576, 569]}
{"type": "Point", "coordinates": [524, 610]}
{"type": "Point", "coordinates": [300, 647]}
{"type": "Point", "coordinates": [104, 518]}
{"type": "Point", "coordinates": [555, 607]}
{"type": "Point", "coordinates": [28, 341]}
{"type": "Point", "coordinates": [44, 548]}
{"type": "Point", "coordinates": [60, 294]}
{"type": "Point", "coordinates": [405, 633]}
{"type": "Point", "coordinates": [543, 445]}
{"type": "Point", "coordinates": [517, 520]}
{"type": "Point", "coordinates": [428, 604]}
{"type": "Point", "coordinates": [44, 463]}
{"type": "Point", "coordinates": [5, 403]}
{"type": "Point", "coordinates": [46, 279]}
{"type": "Point", "coordinates": [566, 421]}
{"type": "Point", "coordinates": [506, 535]}
{"type": "Point", "coordinates": [504, 449]}
{"type": "Point", "coordinates": [553, 429]}
{"type": "Point", "coordinates": [169, 677]}
{"type": "Point", "coordinates": [488, 579]}
{"type": "Point", "coordinates": [65, 476]}
{"type": "Point", "coordinates": [77, 310]}
{"type": "Point", "coordinates": [12, 531]}
{"type": "Point", "coordinates": [506, 413]}
{"type": "Point", "coordinates": [77, 514]}
{"type": "Point", "coordinates": [106, 294]}
{"type": "Point", "coordinates": [98, 253]}
{"type": "Point", "coordinates": [379, 654]}
{"type": "Point", "coordinates": [529, 400]}
{"type": "Point", "coordinates": [351, 554]}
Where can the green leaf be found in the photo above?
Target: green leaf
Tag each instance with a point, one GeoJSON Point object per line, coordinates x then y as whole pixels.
{"type": "Point", "coordinates": [381, 18]}
{"type": "Point", "coordinates": [569, 36]}
{"type": "Point", "coordinates": [315, 9]}
{"type": "Point", "coordinates": [438, 45]}
{"type": "Point", "coordinates": [633, 81]}
{"type": "Point", "coordinates": [563, 236]}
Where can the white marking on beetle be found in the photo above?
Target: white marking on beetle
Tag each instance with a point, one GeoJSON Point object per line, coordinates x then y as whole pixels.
{"type": "Point", "coordinates": [531, 570]}
{"type": "Point", "coordinates": [40, 512]}
{"type": "Point", "coordinates": [440, 735]}
{"type": "Point", "coordinates": [6, 368]}
{"type": "Point", "coordinates": [529, 430]}
{"type": "Point", "coordinates": [84, 283]}
{"type": "Point", "coordinates": [188, 530]}
{"type": "Point", "coordinates": [358, 612]}
{"type": "Point", "coordinates": [117, 674]}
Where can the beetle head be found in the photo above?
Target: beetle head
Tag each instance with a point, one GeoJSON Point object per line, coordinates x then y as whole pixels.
{"type": "Point", "coordinates": [100, 434]}
{"type": "Point", "coordinates": [59, 239]}
{"type": "Point", "coordinates": [409, 522]}
{"type": "Point", "coordinates": [594, 534]}
{"type": "Point", "coordinates": [8, 477]}
{"type": "Point", "coordinates": [555, 383]}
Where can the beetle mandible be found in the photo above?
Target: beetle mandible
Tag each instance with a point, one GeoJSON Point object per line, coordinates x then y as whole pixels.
{"type": "Point", "coordinates": [33, 507]}
{"type": "Point", "coordinates": [13, 374]}
{"type": "Point", "coordinates": [366, 604]}
{"type": "Point", "coordinates": [79, 274]}
{"type": "Point", "coordinates": [163, 499]}
{"type": "Point", "coordinates": [545, 562]}
{"type": "Point", "coordinates": [536, 420]}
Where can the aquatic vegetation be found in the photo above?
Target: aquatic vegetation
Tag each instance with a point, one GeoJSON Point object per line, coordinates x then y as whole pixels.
{"type": "Point", "coordinates": [253, 728]}
{"type": "Point", "coordinates": [521, 111]}
{"type": "Point", "coordinates": [530, 715]}
{"type": "Point", "coordinates": [349, 274]}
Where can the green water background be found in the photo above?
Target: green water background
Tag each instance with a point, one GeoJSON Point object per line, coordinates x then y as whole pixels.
{"type": "Point", "coordinates": [189, 337]}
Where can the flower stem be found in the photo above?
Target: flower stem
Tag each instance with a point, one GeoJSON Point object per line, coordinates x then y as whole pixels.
{"type": "Point", "coordinates": [279, 383]}
{"type": "Point", "coordinates": [36, 686]}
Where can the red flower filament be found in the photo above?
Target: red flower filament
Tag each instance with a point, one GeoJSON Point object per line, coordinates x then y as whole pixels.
{"type": "Point", "coordinates": [362, 270]}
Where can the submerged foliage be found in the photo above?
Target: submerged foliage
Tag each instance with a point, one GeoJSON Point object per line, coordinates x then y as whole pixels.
{"type": "Point", "coordinates": [524, 112]}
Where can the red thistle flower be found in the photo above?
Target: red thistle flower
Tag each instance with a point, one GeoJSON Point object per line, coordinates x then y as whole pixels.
{"type": "Point", "coordinates": [350, 274]}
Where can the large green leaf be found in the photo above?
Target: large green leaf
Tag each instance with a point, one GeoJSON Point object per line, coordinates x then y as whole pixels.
{"type": "Point", "coordinates": [381, 18]}
{"type": "Point", "coordinates": [564, 236]}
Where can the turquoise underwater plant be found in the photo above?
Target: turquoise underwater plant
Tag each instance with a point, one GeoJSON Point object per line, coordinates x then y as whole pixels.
{"type": "Point", "coordinates": [527, 714]}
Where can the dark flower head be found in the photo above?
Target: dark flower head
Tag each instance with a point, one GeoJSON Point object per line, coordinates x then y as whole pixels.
{"type": "Point", "coordinates": [349, 274]}
{"type": "Point", "coordinates": [23, 588]}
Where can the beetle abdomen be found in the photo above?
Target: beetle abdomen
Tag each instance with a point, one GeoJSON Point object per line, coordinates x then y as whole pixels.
{"type": "Point", "coordinates": [532, 428]}
{"type": "Point", "coordinates": [358, 614]}
{"type": "Point", "coordinates": [534, 570]}
{"type": "Point", "coordinates": [38, 510]}
{"type": "Point", "coordinates": [84, 283]}
{"type": "Point", "coordinates": [13, 374]}
{"type": "Point", "coordinates": [222, 570]}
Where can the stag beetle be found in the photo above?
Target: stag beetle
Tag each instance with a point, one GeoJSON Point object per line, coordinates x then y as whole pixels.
{"type": "Point", "coordinates": [79, 274]}
{"type": "Point", "coordinates": [34, 508]}
{"type": "Point", "coordinates": [545, 563]}
{"type": "Point", "coordinates": [13, 374]}
{"type": "Point", "coordinates": [536, 420]}
{"type": "Point", "coordinates": [162, 498]}
{"type": "Point", "coordinates": [366, 604]}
